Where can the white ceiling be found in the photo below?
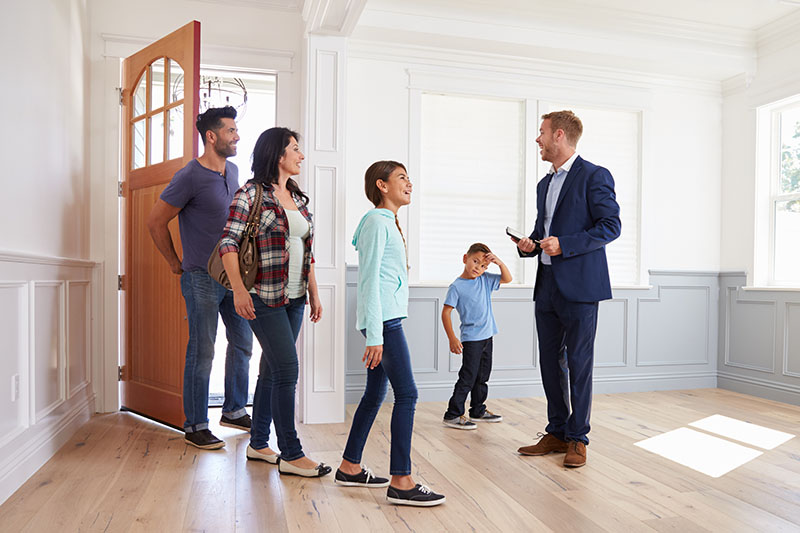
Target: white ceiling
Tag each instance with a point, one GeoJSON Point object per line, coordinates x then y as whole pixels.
{"type": "Point", "coordinates": [740, 14]}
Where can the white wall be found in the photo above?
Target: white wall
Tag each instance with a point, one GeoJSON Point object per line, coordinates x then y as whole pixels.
{"type": "Point", "coordinates": [45, 76]}
{"type": "Point", "coordinates": [681, 153]}
{"type": "Point", "coordinates": [48, 288]}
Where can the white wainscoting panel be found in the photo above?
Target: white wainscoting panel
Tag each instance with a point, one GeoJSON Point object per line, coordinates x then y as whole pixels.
{"type": "Point", "coordinates": [324, 338]}
{"type": "Point", "coordinates": [79, 335]}
{"type": "Point", "coordinates": [325, 231]}
{"type": "Point", "coordinates": [46, 311]}
{"type": "Point", "coordinates": [421, 329]}
{"type": "Point", "coordinates": [327, 99]}
{"type": "Point", "coordinates": [14, 369]}
{"type": "Point", "coordinates": [48, 341]}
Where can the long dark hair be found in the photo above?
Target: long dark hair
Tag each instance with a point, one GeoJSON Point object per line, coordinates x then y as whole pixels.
{"type": "Point", "coordinates": [379, 170]}
{"type": "Point", "coordinates": [269, 149]}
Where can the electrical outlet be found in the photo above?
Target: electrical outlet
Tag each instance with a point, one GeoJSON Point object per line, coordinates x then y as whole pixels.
{"type": "Point", "coordinates": [15, 387]}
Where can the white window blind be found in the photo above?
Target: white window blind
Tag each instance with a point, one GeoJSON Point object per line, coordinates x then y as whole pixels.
{"type": "Point", "coordinates": [471, 183]}
{"type": "Point", "coordinates": [611, 139]}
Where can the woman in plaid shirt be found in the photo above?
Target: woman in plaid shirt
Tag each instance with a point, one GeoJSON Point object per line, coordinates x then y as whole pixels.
{"type": "Point", "coordinates": [275, 306]}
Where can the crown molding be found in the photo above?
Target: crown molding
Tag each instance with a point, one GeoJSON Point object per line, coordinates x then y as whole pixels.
{"type": "Point", "coordinates": [292, 6]}
{"type": "Point", "coordinates": [736, 84]}
{"type": "Point", "coordinates": [526, 69]}
{"type": "Point", "coordinates": [779, 34]}
{"type": "Point", "coordinates": [332, 17]}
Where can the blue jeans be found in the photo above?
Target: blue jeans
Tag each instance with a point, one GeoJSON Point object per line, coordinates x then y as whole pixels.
{"type": "Point", "coordinates": [476, 367]}
{"type": "Point", "coordinates": [276, 329]}
{"type": "Point", "coordinates": [205, 299]}
{"type": "Point", "coordinates": [395, 368]}
{"type": "Point", "coordinates": [566, 332]}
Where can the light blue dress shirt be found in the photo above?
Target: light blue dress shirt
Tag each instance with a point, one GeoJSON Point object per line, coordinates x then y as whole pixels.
{"type": "Point", "coordinates": [553, 191]}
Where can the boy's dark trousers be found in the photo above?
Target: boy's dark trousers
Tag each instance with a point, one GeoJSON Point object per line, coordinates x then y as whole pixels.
{"type": "Point", "coordinates": [476, 366]}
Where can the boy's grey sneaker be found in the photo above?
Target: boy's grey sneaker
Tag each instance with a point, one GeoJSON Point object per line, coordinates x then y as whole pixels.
{"type": "Point", "coordinates": [488, 416]}
{"type": "Point", "coordinates": [365, 478]}
{"type": "Point", "coordinates": [243, 422]}
{"type": "Point", "coordinates": [419, 496]}
{"type": "Point", "coordinates": [204, 440]}
{"type": "Point", "coordinates": [460, 422]}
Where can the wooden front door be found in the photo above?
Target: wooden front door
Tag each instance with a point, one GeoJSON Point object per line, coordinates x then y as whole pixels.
{"type": "Point", "coordinates": [160, 103]}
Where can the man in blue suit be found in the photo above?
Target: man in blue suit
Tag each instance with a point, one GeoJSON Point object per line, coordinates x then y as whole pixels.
{"type": "Point", "coordinates": [577, 215]}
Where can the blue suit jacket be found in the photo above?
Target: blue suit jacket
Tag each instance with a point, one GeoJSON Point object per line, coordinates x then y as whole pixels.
{"type": "Point", "coordinates": [586, 218]}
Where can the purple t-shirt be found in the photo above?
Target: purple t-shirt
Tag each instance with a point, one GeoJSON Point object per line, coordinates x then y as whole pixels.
{"type": "Point", "coordinates": [204, 198]}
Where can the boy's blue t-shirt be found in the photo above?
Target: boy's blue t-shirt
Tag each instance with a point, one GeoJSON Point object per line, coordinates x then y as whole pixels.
{"type": "Point", "coordinates": [472, 298]}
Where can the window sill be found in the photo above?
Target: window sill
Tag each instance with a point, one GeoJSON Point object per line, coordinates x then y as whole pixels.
{"type": "Point", "coordinates": [773, 288]}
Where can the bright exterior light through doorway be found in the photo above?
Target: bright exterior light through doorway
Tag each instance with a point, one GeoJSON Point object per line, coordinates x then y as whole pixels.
{"type": "Point", "coordinates": [712, 455]}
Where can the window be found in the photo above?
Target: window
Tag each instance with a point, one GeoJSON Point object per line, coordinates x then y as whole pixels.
{"type": "Point", "coordinates": [472, 181]}
{"type": "Point", "coordinates": [785, 197]}
{"type": "Point", "coordinates": [611, 139]}
{"type": "Point", "coordinates": [475, 180]}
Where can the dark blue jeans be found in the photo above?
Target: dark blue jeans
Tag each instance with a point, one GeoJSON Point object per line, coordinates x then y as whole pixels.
{"type": "Point", "coordinates": [476, 366]}
{"type": "Point", "coordinates": [395, 368]}
{"type": "Point", "coordinates": [566, 330]}
{"type": "Point", "coordinates": [205, 299]}
{"type": "Point", "coordinates": [276, 329]}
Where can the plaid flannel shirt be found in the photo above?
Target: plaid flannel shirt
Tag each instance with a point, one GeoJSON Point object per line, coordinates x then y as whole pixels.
{"type": "Point", "coordinates": [272, 279]}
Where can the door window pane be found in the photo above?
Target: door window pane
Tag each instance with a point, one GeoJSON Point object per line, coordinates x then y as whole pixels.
{"type": "Point", "coordinates": [157, 139]}
{"type": "Point", "coordinates": [157, 84]}
{"type": "Point", "coordinates": [138, 159]}
{"type": "Point", "coordinates": [140, 97]}
{"type": "Point", "coordinates": [175, 140]}
{"type": "Point", "coordinates": [175, 81]}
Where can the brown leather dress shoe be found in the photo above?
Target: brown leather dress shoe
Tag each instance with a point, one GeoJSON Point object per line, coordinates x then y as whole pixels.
{"type": "Point", "coordinates": [547, 444]}
{"type": "Point", "coordinates": [576, 454]}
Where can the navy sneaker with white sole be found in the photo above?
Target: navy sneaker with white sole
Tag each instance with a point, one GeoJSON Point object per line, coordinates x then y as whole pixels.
{"type": "Point", "coordinates": [419, 496]}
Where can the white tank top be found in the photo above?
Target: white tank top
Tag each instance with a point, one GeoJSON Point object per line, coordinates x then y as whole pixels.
{"type": "Point", "coordinates": [298, 231]}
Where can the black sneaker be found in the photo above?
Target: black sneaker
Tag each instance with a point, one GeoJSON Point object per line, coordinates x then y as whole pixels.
{"type": "Point", "coordinates": [365, 478]}
{"type": "Point", "coordinates": [487, 416]}
{"type": "Point", "coordinates": [459, 422]}
{"type": "Point", "coordinates": [203, 439]}
{"type": "Point", "coordinates": [419, 496]}
{"type": "Point", "coordinates": [243, 422]}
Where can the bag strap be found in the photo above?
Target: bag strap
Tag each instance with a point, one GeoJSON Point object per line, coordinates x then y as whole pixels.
{"type": "Point", "coordinates": [255, 212]}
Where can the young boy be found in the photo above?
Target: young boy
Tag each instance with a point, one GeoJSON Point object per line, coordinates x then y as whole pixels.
{"type": "Point", "coordinates": [471, 295]}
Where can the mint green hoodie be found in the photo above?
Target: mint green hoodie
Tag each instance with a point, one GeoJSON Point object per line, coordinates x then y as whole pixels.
{"type": "Point", "coordinates": [382, 273]}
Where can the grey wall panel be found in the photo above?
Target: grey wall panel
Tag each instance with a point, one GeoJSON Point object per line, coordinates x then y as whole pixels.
{"type": "Point", "coordinates": [422, 332]}
{"type": "Point", "coordinates": [673, 329]}
{"type": "Point", "coordinates": [759, 350]}
{"type": "Point", "coordinates": [750, 331]}
{"type": "Point", "coordinates": [610, 347]}
{"type": "Point", "coordinates": [688, 309]}
{"type": "Point", "coordinates": [791, 351]}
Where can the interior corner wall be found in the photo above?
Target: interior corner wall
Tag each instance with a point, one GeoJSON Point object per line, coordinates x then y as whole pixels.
{"type": "Point", "coordinates": [48, 285]}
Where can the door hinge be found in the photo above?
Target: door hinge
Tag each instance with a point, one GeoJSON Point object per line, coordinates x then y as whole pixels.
{"type": "Point", "coordinates": [120, 283]}
{"type": "Point", "coordinates": [121, 189]}
{"type": "Point", "coordinates": [121, 92]}
{"type": "Point", "coordinates": [119, 373]}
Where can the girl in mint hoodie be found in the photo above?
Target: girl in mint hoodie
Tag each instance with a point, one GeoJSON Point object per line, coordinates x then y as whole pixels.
{"type": "Point", "coordinates": [382, 304]}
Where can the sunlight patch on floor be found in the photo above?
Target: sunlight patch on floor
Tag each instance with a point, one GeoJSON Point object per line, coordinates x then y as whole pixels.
{"type": "Point", "coordinates": [704, 453]}
{"type": "Point", "coordinates": [745, 432]}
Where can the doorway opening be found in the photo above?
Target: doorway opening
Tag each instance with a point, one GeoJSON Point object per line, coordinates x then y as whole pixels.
{"type": "Point", "coordinates": [257, 115]}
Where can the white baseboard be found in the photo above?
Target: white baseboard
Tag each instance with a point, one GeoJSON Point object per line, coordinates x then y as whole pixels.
{"type": "Point", "coordinates": [28, 452]}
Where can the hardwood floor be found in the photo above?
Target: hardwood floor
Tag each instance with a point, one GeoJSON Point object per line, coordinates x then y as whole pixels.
{"type": "Point", "coordinates": [124, 473]}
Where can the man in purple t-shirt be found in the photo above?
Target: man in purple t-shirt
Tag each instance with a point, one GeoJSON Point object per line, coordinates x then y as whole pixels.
{"type": "Point", "coordinates": [200, 195]}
